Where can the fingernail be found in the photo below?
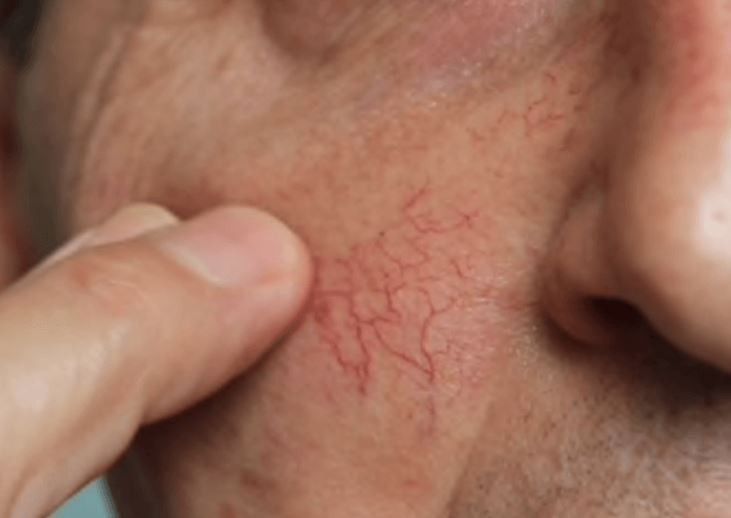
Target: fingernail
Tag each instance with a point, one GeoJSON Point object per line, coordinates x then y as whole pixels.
{"type": "Point", "coordinates": [130, 222]}
{"type": "Point", "coordinates": [234, 246]}
{"type": "Point", "coordinates": [67, 250]}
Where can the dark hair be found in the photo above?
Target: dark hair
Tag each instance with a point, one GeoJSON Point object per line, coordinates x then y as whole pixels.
{"type": "Point", "coordinates": [18, 22]}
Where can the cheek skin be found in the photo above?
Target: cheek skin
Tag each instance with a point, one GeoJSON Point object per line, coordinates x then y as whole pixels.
{"type": "Point", "coordinates": [425, 251]}
{"type": "Point", "coordinates": [398, 299]}
{"type": "Point", "coordinates": [382, 389]}
{"type": "Point", "coordinates": [404, 349]}
{"type": "Point", "coordinates": [400, 349]}
{"type": "Point", "coordinates": [475, 34]}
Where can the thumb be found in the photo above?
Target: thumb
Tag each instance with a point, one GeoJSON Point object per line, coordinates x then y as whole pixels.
{"type": "Point", "coordinates": [128, 324]}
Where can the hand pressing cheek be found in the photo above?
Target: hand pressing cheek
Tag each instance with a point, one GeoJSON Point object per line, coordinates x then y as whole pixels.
{"type": "Point", "coordinates": [517, 212]}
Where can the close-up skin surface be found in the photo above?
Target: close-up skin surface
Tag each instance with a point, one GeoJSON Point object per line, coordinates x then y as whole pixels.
{"type": "Point", "coordinates": [518, 212]}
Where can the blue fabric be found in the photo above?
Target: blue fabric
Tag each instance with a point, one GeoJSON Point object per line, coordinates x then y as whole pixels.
{"type": "Point", "coordinates": [92, 502]}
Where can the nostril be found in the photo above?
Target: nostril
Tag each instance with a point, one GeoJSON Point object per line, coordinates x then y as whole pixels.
{"type": "Point", "coordinates": [616, 311]}
{"type": "Point", "coordinates": [620, 320]}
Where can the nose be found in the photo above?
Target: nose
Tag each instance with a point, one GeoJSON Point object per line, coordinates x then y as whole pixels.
{"type": "Point", "coordinates": [649, 238]}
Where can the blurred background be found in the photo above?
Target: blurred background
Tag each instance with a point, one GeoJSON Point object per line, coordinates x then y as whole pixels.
{"type": "Point", "coordinates": [92, 502]}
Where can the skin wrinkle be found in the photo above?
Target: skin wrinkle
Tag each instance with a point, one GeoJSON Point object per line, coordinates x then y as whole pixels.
{"type": "Point", "coordinates": [98, 78]}
{"type": "Point", "coordinates": [304, 35]}
{"type": "Point", "coordinates": [152, 37]}
{"type": "Point", "coordinates": [407, 191]}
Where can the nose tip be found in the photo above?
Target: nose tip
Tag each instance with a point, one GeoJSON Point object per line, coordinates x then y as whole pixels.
{"type": "Point", "coordinates": [676, 270]}
{"type": "Point", "coordinates": [648, 245]}
{"type": "Point", "coordinates": [650, 248]}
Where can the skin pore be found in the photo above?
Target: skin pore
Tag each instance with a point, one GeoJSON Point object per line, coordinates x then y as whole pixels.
{"type": "Point", "coordinates": [514, 314]}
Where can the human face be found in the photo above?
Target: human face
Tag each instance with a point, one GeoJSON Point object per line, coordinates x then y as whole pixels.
{"type": "Point", "coordinates": [519, 213]}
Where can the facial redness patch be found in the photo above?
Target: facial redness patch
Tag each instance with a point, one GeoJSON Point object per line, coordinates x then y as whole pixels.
{"type": "Point", "coordinates": [413, 301]}
{"type": "Point", "coordinates": [472, 33]}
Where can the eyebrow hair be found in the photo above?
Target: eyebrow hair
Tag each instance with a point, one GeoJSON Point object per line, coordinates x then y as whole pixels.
{"type": "Point", "coordinates": [20, 19]}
